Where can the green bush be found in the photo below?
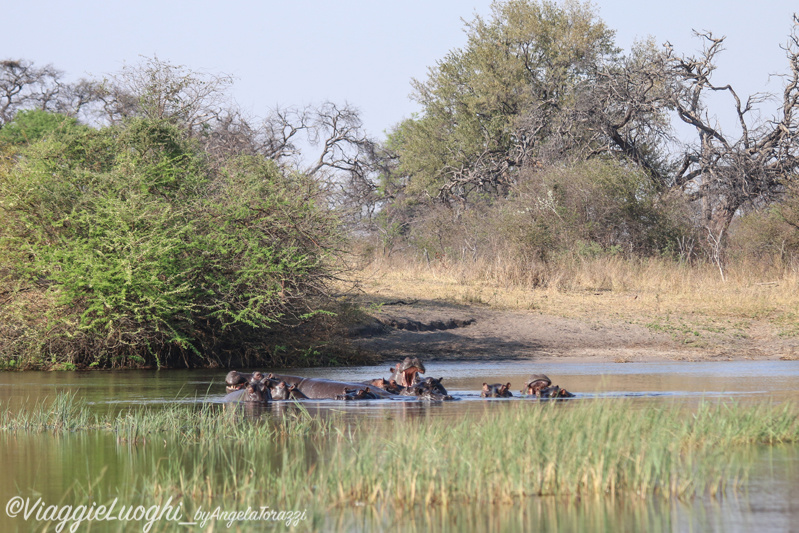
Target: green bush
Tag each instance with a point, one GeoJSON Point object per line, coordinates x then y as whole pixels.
{"type": "Point", "coordinates": [147, 253]}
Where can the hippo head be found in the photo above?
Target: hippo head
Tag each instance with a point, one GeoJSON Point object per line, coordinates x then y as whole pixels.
{"type": "Point", "coordinates": [362, 393]}
{"type": "Point", "coordinates": [392, 386]}
{"type": "Point", "coordinates": [432, 389]}
{"type": "Point", "coordinates": [434, 385]}
{"type": "Point", "coordinates": [535, 384]}
{"type": "Point", "coordinates": [235, 381]}
{"type": "Point", "coordinates": [280, 391]}
{"type": "Point", "coordinates": [253, 393]}
{"type": "Point", "coordinates": [406, 372]}
{"type": "Point", "coordinates": [497, 390]}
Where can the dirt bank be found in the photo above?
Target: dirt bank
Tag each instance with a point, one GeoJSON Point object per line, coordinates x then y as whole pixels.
{"type": "Point", "coordinates": [441, 330]}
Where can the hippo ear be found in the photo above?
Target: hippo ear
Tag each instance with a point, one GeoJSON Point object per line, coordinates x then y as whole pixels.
{"type": "Point", "coordinates": [366, 389]}
{"type": "Point", "coordinates": [440, 380]}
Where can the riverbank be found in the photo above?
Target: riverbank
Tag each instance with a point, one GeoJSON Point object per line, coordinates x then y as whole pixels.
{"type": "Point", "coordinates": [620, 315]}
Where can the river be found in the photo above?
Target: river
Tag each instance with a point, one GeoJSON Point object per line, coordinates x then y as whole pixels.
{"type": "Point", "coordinates": [48, 466]}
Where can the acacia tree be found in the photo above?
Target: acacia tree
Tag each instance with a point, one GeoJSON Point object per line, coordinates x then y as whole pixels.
{"type": "Point", "coordinates": [495, 106]}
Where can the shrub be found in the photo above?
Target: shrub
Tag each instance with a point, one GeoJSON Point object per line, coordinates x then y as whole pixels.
{"type": "Point", "coordinates": [150, 256]}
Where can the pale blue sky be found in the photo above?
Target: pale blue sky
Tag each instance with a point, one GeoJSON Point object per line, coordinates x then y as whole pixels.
{"type": "Point", "coordinates": [362, 52]}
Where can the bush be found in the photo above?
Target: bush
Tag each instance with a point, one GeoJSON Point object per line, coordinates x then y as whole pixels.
{"type": "Point", "coordinates": [588, 209]}
{"type": "Point", "coordinates": [149, 256]}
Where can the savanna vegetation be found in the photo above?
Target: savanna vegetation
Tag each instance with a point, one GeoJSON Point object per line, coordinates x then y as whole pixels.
{"type": "Point", "coordinates": [146, 220]}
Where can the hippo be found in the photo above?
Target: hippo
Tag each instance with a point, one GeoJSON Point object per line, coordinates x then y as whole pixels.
{"type": "Point", "coordinates": [540, 386]}
{"type": "Point", "coordinates": [553, 392]}
{"type": "Point", "coordinates": [496, 390]}
{"type": "Point", "coordinates": [407, 372]}
{"type": "Point", "coordinates": [237, 380]}
{"type": "Point", "coordinates": [535, 383]}
{"type": "Point", "coordinates": [296, 394]}
{"type": "Point", "coordinates": [357, 394]}
{"type": "Point", "coordinates": [324, 388]}
{"type": "Point", "coordinates": [429, 389]}
{"type": "Point", "coordinates": [280, 391]}
{"type": "Point", "coordinates": [387, 385]}
{"type": "Point", "coordinates": [253, 393]}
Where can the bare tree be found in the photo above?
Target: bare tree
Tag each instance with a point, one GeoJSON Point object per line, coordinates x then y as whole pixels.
{"type": "Point", "coordinates": [726, 172]}
{"type": "Point", "coordinates": [25, 86]}
{"type": "Point", "coordinates": [157, 89]}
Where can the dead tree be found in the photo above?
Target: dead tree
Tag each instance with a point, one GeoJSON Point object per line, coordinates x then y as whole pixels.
{"type": "Point", "coordinates": [726, 172]}
{"type": "Point", "coordinates": [25, 86]}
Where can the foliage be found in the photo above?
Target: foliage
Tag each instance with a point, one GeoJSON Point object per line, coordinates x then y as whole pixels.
{"type": "Point", "coordinates": [541, 84]}
{"type": "Point", "coordinates": [32, 125]}
{"type": "Point", "coordinates": [526, 61]}
{"type": "Point", "coordinates": [595, 208]}
{"type": "Point", "coordinates": [146, 254]}
{"type": "Point", "coordinates": [769, 233]}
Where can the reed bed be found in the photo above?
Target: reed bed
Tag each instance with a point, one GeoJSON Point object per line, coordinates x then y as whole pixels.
{"type": "Point", "coordinates": [514, 450]}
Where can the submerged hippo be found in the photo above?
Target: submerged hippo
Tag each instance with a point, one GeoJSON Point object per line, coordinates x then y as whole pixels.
{"type": "Point", "coordinates": [357, 394]}
{"type": "Point", "coordinates": [554, 392]}
{"type": "Point", "coordinates": [280, 391]}
{"type": "Point", "coordinates": [404, 380]}
{"type": "Point", "coordinates": [540, 386]}
{"type": "Point", "coordinates": [389, 385]}
{"type": "Point", "coordinates": [496, 390]}
{"type": "Point", "coordinates": [254, 393]}
{"type": "Point", "coordinates": [429, 389]}
{"type": "Point", "coordinates": [296, 394]}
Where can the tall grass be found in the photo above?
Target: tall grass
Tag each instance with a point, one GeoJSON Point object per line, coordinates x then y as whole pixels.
{"type": "Point", "coordinates": [514, 450]}
{"type": "Point", "coordinates": [635, 290]}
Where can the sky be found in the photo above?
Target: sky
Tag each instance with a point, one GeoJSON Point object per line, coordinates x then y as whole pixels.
{"type": "Point", "coordinates": [365, 53]}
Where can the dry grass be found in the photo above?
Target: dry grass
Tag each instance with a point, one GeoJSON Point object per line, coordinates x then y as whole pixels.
{"type": "Point", "coordinates": [662, 294]}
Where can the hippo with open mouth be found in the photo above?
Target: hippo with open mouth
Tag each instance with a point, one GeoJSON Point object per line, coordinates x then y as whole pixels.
{"type": "Point", "coordinates": [540, 386]}
{"type": "Point", "coordinates": [406, 373]}
{"type": "Point", "coordinates": [403, 375]}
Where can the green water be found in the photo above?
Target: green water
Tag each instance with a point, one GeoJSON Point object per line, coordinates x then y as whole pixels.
{"type": "Point", "coordinates": [94, 467]}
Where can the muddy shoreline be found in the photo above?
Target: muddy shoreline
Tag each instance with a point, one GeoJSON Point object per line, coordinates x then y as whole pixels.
{"type": "Point", "coordinates": [439, 330]}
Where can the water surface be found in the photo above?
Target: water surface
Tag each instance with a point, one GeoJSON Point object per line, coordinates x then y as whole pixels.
{"type": "Point", "coordinates": [95, 462]}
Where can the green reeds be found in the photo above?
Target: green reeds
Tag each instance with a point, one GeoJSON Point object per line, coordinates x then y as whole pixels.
{"type": "Point", "coordinates": [511, 451]}
{"type": "Point", "coordinates": [63, 413]}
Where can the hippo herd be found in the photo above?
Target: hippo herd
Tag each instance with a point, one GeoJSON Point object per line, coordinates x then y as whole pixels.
{"type": "Point", "coordinates": [405, 380]}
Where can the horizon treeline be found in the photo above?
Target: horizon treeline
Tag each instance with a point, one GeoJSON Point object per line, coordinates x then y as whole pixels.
{"type": "Point", "coordinates": [145, 219]}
